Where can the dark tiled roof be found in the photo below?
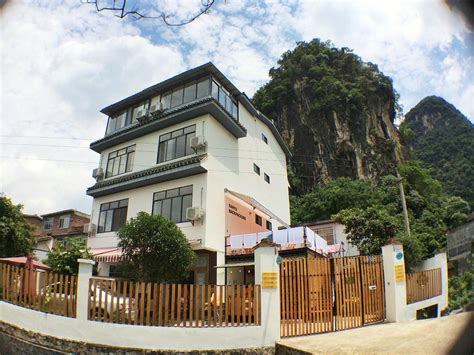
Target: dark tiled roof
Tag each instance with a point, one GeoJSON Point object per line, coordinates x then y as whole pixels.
{"type": "Point", "coordinates": [148, 172]}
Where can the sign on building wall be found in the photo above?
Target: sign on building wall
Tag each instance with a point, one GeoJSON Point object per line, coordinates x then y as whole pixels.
{"type": "Point", "coordinates": [399, 272]}
{"type": "Point", "coordinates": [269, 280]}
{"type": "Point", "coordinates": [240, 217]}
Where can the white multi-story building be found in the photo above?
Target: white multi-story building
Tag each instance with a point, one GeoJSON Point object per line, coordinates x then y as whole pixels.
{"type": "Point", "coordinates": [194, 149]}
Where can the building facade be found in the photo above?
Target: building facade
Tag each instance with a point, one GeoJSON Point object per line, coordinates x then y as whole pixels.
{"type": "Point", "coordinates": [56, 227]}
{"type": "Point", "coordinates": [335, 235]}
{"type": "Point", "coordinates": [185, 148]}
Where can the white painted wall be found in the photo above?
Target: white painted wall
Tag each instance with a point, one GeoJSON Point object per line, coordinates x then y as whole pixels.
{"type": "Point", "coordinates": [229, 163]}
{"type": "Point", "coordinates": [397, 308]}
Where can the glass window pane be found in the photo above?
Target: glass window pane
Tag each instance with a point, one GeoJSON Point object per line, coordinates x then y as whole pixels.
{"type": "Point", "coordinates": [166, 100]}
{"type": "Point", "coordinates": [166, 208]}
{"type": "Point", "coordinates": [131, 149]}
{"type": "Point", "coordinates": [115, 169]}
{"type": "Point", "coordinates": [113, 155]}
{"type": "Point", "coordinates": [101, 226]}
{"type": "Point", "coordinates": [108, 220]}
{"type": "Point", "coordinates": [170, 149]}
{"type": "Point", "coordinates": [120, 217]}
{"type": "Point", "coordinates": [222, 97]}
{"type": "Point", "coordinates": [176, 209]}
{"type": "Point", "coordinates": [123, 203]}
{"type": "Point", "coordinates": [123, 162]}
{"type": "Point", "coordinates": [177, 97]}
{"type": "Point", "coordinates": [176, 133]}
{"type": "Point", "coordinates": [160, 195]}
{"type": "Point", "coordinates": [190, 129]}
{"type": "Point", "coordinates": [189, 92]}
{"type": "Point", "coordinates": [165, 137]}
{"type": "Point", "coordinates": [157, 207]}
{"type": "Point", "coordinates": [187, 202]}
{"type": "Point", "coordinates": [186, 190]}
{"type": "Point", "coordinates": [122, 151]}
{"type": "Point", "coordinates": [189, 150]}
{"type": "Point", "coordinates": [104, 206]}
{"type": "Point", "coordinates": [215, 90]}
{"type": "Point", "coordinates": [203, 88]}
{"type": "Point", "coordinates": [180, 146]}
{"type": "Point", "coordinates": [172, 193]}
{"type": "Point", "coordinates": [131, 158]}
{"type": "Point", "coordinates": [161, 152]}
{"type": "Point", "coordinates": [110, 165]}
{"type": "Point", "coordinates": [114, 204]}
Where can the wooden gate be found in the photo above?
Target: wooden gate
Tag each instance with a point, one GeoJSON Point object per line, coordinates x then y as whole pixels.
{"type": "Point", "coordinates": [322, 295]}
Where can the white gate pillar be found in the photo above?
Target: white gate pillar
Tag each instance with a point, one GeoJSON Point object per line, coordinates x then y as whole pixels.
{"type": "Point", "coordinates": [267, 274]}
{"type": "Point", "coordinates": [394, 276]}
{"type": "Point", "coordinates": [83, 277]}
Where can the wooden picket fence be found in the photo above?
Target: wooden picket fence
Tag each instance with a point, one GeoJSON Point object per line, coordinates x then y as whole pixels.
{"type": "Point", "coordinates": [173, 305]}
{"type": "Point", "coordinates": [40, 290]}
{"type": "Point", "coordinates": [422, 285]}
{"type": "Point", "coordinates": [321, 295]}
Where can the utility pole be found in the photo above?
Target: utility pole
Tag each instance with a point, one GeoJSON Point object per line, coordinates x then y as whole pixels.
{"type": "Point", "coordinates": [406, 222]}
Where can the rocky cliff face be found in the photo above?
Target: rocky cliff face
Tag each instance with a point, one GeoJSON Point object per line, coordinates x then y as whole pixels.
{"type": "Point", "coordinates": [335, 112]}
{"type": "Point", "coordinates": [443, 139]}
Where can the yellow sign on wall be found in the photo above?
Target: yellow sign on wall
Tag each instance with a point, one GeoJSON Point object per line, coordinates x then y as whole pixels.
{"type": "Point", "coordinates": [269, 280]}
{"type": "Point", "coordinates": [399, 273]}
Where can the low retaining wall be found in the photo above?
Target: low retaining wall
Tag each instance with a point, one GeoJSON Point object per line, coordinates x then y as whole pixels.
{"type": "Point", "coordinates": [112, 336]}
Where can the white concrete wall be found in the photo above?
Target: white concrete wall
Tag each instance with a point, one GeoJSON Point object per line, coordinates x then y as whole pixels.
{"type": "Point", "coordinates": [397, 308]}
{"type": "Point", "coordinates": [229, 164]}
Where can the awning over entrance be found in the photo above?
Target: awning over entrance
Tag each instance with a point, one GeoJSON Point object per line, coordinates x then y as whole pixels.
{"type": "Point", "coordinates": [108, 255]}
{"type": "Point", "coordinates": [21, 260]}
{"type": "Point", "coordinates": [250, 263]}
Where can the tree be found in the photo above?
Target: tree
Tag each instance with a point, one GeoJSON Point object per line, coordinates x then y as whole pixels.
{"type": "Point", "coordinates": [122, 9]}
{"type": "Point", "coordinates": [63, 258]}
{"type": "Point", "coordinates": [15, 232]}
{"type": "Point", "coordinates": [155, 249]}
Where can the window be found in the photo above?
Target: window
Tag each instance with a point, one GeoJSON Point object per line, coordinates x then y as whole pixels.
{"type": "Point", "coordinates": [269, 225]}
{"type": "Point", "coordinates": [120, 161]}
{"type": "Point", "coordinates": [173, 203]}
{"type": "Point", "coordinates": [258, 220]}
{"type": "Point", "coordinates": [177, 97]}
{"type": "Point", "coordinates": [113, 215]}
{"type": "Point", "coordinates": [176, 144]}
{"type": "Point", "coordinates": [166, 100]}
{"type": "Point", "coordinates": [327, 233]}
{"type": "Point", "coordinates": [64, 221]}
{"type": "Point", "coordinates": [266, 178]}
{"type": "Point", "coordinates": [202, 88]}
{"type": "Point", "coordinates": [115, 123]}
{"type": "Point", "coordinates": [48, 223]}
{"type": "Point", "coordinates": [264, 138]}
{"type": "Point", "coordinates": [256, 169]}
{"type": "Point", "coordinates": [224, 98]}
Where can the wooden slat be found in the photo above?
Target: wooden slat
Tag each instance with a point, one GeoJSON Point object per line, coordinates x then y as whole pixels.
{"type": "Point", "coordinates": [155, 304]}
{"type": "Point", "coordinates": [178, 305]}
{"type": "Point", "coordinates": [191, 305]}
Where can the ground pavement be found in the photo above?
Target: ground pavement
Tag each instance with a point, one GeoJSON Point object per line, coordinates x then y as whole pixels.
{"type": "Point", "coordinates": [453, 334]}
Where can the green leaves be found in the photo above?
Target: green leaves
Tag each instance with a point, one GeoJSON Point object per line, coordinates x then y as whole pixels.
{"type": "Point", "coordinates": [155, 249]}
{"type": "Point", "coordinates": [63, 258]}
{"type": "Point", "coordinates": [15, 233]}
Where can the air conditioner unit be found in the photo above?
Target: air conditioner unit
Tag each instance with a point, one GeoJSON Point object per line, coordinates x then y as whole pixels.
{"type": "Point", "coordinates": [197, 142]}
{"type": "Point", "coordinates": [89, 228]}
{"type": "Point", "coordinates": [98, 173]}
{"type": "Point", "coordinates": [194, 213]}
{"type": "Point", "coordinates": [143, 115]}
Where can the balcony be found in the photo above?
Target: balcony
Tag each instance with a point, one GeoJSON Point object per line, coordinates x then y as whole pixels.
{"type": "Point", "coordinates": [160, 173]}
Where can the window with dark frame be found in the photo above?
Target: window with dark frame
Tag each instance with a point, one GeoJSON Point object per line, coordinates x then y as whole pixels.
{"type": "Point", "coordinates": [120, 161]}
{"type": "Point", "coordinates": [176, 144]}
{"type": "Point", "coordinates": [264, 138]}
{"type": "Point", "coordinates": [112, 216]}
{"type": "Point", "coordinates": [269, 225]}
{"type": "Point", "coordinates": [258, 220]}
{"type": "Point", "coordinates": [266, 178]}
{"type": "Point", "coordinates": [173, 203]}
{"type": "Point", "coordinates": [256, 169]}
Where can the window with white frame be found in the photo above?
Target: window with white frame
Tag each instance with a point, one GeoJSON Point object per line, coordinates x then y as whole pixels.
{"type": "Point", "coordinates": [64, 221]}
{"type": "Point", "coordinates": [48, 223]}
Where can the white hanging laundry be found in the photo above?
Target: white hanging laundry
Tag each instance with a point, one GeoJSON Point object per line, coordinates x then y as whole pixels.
{"type": "Point", "coordinates": [280, 237]}
{"type": "Point", "coordinates": [295, 235]}
{"type": "Point", "coordinates": [237, 241]}
{"type": "Point", "coordinates": [310, 238]}
{"type": "Point", "coordinates": [250, 240]}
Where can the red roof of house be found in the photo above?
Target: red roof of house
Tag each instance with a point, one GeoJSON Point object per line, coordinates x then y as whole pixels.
{"type": "Point", "coordinates": [21, 260]}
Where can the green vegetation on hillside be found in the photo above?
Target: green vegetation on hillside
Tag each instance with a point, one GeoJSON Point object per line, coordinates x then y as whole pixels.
{"type": "Point", "coordinates": [334, 111]}
{"type": "Point", "coordinates": [372, 212]}
{"type": "Point", "coordinates": [443, 139]}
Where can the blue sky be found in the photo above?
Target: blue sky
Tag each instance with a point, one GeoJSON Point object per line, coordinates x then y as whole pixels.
{"type": "Point", "coordinates": [62, 62]}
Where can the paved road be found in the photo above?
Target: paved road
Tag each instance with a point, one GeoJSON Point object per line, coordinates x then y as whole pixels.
{"type": "Point", "coordinates": [447, 335]}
